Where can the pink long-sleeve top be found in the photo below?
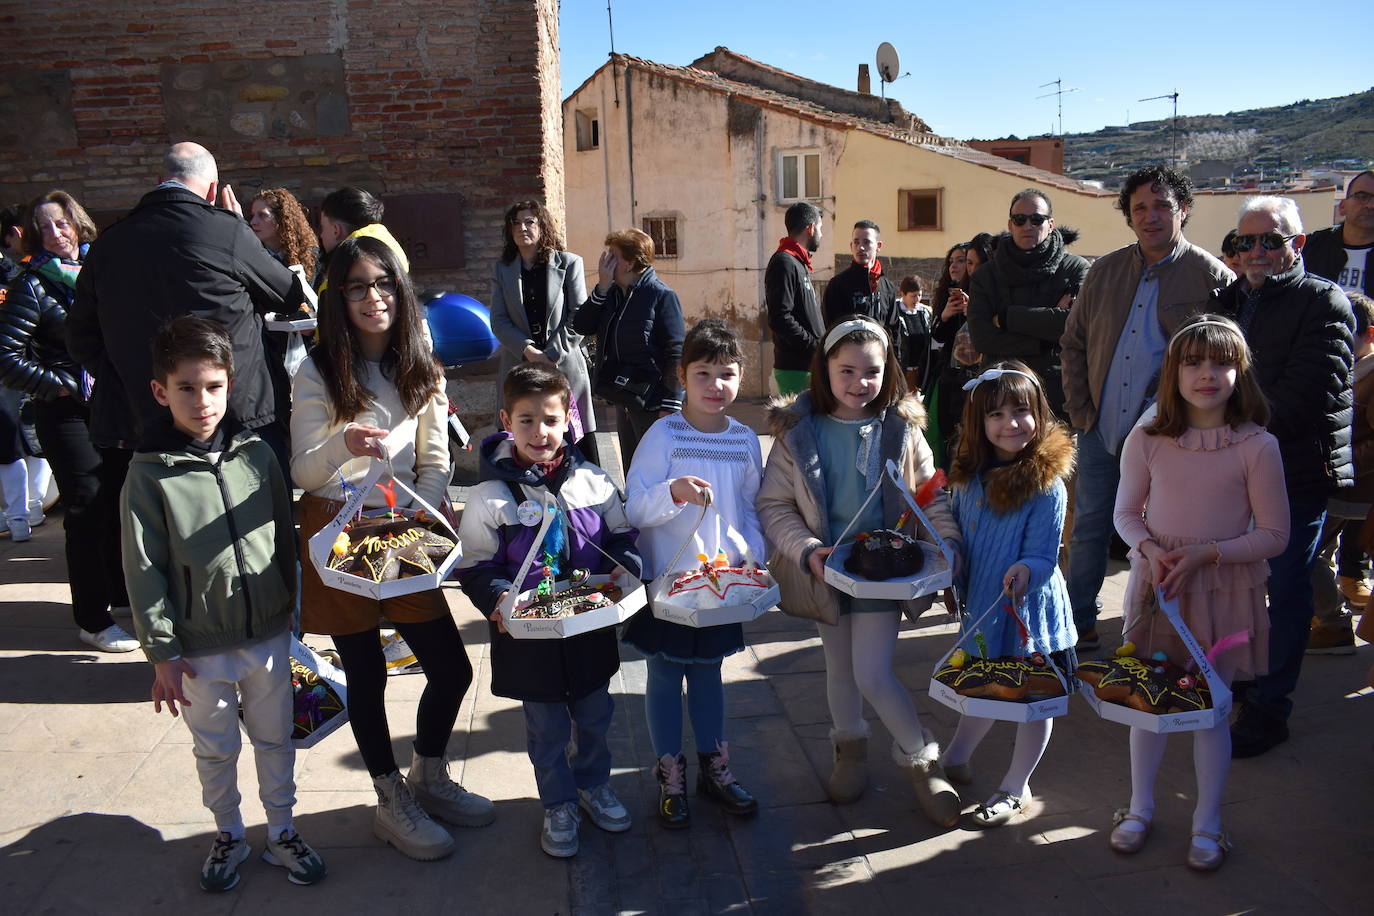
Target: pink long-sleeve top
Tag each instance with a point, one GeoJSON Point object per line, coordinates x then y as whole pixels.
{"type": "Point", "coordinates": [1205, 486]}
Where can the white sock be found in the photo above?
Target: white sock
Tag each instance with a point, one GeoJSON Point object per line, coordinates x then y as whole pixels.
{"type": "Point", "coordinates": [274, 831]}
{"type": "Point", "coordinates": [1031, 740]}
{"type": "Point", "coordinates": [233, 828]}
{"type": "Point", "coordinates": [967, 736]}
{"type": "Point", "coordinates": [1211, 762]}
{"type": "Point", "coordinates": [1147, 753]}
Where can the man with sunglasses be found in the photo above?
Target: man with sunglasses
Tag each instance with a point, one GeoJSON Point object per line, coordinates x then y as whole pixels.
{"type": "Point", "coordinates": [1133, 300]}
{"type": "Point", "coordinates": [1019, 302]}
{"type": "Point", "coordinates": [1301, 331]}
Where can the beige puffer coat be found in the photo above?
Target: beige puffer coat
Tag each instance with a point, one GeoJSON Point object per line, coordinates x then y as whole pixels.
{"type": "Point", "coordinates": [792, 497]}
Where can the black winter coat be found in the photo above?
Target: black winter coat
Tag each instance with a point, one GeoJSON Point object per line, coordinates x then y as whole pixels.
{"type": "Point", "coordinates": [794, 316]}
{"type": "Point", "coordinates": [1324, 255]}
{"type": "Point", "coordinates": [1302, 336]}
{"type": "Point", "coordinates": [174, 254]}
{"type": "Point", "coordinates": [1013, 309]}
{"type": "Point", "coordinates": [33, 344]}
{"type": "Point", "coordinates": [638, 335]}
{"type": "Point", "coordinates": [852, 293]}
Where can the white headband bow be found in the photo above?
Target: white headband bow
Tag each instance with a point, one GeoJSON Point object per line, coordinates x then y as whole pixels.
{"type": "Point", "coordinates": [854, 324]}
{"type": "Point", "coordinates": [992, 375]}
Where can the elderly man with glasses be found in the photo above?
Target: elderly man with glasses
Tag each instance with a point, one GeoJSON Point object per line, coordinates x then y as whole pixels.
{"type": "Point", "coordinates": [1301, 331]}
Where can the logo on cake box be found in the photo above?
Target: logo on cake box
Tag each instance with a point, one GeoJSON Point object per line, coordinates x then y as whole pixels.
{"type": "Point", "coordinates": [321, 545]}
{"type": "Point", "coordinates": [631, 600]}
{"type": "Point", "coordinates": [718, 593]}
{"type": "Point", "coordinates": [936, 571]}
{"type": "Point", "coordinates": [1165, 723]}
{"type": "Point", "coordinates": [1029, 709]}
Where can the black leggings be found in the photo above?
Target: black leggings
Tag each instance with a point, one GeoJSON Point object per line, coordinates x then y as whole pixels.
{"type": "Point", "coordinates": [439, 648]}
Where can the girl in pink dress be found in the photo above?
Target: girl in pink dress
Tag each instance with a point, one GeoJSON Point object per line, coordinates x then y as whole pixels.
{"type": "Point", "coordinates": [1192, 480]}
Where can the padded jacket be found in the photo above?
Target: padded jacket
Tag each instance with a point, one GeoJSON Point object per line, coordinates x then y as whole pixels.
{"type": "Point", "coordinates": [33, 344]}
{"type": "Point", "coordinates": [639, 335]}
{"type": "Point", "coordinates": [172, 255]}
{"type": "Point", "coordinates": [1324, 255]}
{"type": "Point", "coordinates": [1302, 337]}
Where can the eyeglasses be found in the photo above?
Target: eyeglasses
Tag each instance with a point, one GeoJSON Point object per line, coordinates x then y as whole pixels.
{"type": "Point", "coordinates": [1361, 198]}
{"type": "Point", "coordinates": [1269, 241]}
{"type": "Point", "coordinates": [357, 290]}
{"type": "Point", "coordinates": [1021, 219]}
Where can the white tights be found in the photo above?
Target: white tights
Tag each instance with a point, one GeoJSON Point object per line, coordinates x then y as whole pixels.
{"type": "Point", "coordinates": [1031, 740]}
{"type": "Point", "coordinates": [1211, 763]}
{"type": "Point", "coordinates": [858, 666]}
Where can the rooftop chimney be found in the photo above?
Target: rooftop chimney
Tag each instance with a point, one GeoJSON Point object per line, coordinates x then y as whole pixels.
{"type": "Point", "coordinates": [864, 84]}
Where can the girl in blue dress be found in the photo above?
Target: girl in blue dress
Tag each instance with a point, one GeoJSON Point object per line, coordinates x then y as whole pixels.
{"type": "Point", "coordinates": [1009, 499]}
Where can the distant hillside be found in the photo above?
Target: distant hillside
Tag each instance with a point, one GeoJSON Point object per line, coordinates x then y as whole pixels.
{"type": "Point", "coordinates": [1322, 132]}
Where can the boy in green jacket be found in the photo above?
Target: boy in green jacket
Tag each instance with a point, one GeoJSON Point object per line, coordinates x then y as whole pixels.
{"type": "Point", "coordinates": [209, 560]}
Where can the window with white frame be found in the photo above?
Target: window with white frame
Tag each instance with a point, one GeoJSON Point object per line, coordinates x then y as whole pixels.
{"type": "Point", "coordinates": [799, 175]}
{"type": "Point", "coordinates": [663, 230]}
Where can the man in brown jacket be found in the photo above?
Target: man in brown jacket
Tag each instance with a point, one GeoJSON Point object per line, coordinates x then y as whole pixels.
{"type": "Point", "coordinates": [1132, 302]}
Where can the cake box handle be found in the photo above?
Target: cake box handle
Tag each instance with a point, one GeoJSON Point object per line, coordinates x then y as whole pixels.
{"type": "Point", "coordinates": [965, 630]}
{"type": "Point", "coordinates": [507, 605]}
{"type": "Point", "coordinates": [1214, 683]}
{"type": "Point", "coordinates": [705, 504]}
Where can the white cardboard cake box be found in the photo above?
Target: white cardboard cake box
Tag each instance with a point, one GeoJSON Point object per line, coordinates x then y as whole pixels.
{"type": "Point", "coordinates": [664, 608]}
{"type": "Point", "coordinates": [1165, 723]}
{"type": "Point", "coordinates": [631, 601]}
{"type": "Point", "coordinates": [321, 544]}
{"type": "Point", "coordinates": [575, 624]}
{"type": "Point", "coordinates": [1002, 710]}
{"type": "Point", "coordinates": [276, 322]}
{"type": "Point", "coordinates": [935, 574]}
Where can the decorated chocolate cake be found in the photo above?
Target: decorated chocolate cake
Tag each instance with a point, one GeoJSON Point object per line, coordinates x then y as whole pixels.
{"type": "Point", "coordinates": [314, 702]}
{"type": "Point", "coordinates": [1153, 685]}
{"type": "Point", "coordinates": [716, 584]}
{"type": "Point", "coordinates": [1004, 678]}
{"type": "Point", "coordinates": [385, 548]}
{"type": "Point", "coordinates": [885, 554]}
{"type": "Point", "coordinates": [577, 598]}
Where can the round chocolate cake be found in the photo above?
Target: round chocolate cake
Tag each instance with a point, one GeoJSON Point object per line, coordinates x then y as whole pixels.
{"type": "Point", "coordinates": [1005, 678]}
{"type": "Point", "coordinates": [1149, 685]}
{"type": "Point", "coordinates": [578, 599]}
{"type": "Point", "coordinates": [885, 554]}
{"type": "Point", "coordinates": [385, 548]}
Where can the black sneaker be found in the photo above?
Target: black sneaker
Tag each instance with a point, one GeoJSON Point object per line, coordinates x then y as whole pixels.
{"type": "Point", "coordinates": [1254, 733]}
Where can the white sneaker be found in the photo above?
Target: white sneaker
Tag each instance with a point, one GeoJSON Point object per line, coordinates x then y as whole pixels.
{"type": "Point", "coordinates": [20, 530]}
{"type": "Point", "coordinates": [111, 639]}
{"type": "Point", "coordinates": [604, 808]}
{"type": "Point", "coordinates": [399, 658]}
{"type": "Point", "coordinates": [559, 836]}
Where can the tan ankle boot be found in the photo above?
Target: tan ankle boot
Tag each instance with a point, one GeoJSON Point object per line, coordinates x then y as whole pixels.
{"type": "Point", "coordinates": [402, 823]}
{"type": "Point", "coordinates": [849, 778]}
{"type": "Point", "coordinates": [934, 794]}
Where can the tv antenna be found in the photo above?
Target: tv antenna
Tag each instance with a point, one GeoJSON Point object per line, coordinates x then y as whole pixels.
{"type": "Point", "coordinates": [889, 66]}
{"type": "Point", "coordinates": [1173, 125]}
{"type": "Point", "coordinates": [1060, 92]}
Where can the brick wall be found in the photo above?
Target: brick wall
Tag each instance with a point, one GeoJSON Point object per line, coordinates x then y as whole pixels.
{"type": "Point", "coordinates": [455, 97]}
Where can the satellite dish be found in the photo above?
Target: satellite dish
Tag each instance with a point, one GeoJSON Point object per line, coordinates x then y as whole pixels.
{"type": "Point", "coordinates": [888, 64]}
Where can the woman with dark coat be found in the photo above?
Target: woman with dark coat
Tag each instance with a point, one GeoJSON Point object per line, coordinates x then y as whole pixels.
{"type": "Point", "coordinates": [34, 359]}
{"type": "Point", "coordinates": [536, 289]}
{"type": "Point", "coordinates": [1018, 304]}
{"type": "Point", "coordinates": [637, 322]}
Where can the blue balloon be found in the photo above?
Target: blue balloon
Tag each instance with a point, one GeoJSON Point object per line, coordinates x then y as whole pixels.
{"type": "Point", "coordinates": [461, 328]}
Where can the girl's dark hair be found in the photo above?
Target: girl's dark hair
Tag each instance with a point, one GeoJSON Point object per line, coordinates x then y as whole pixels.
{"type": "Point", "coordinates": [293, 228]}
{"type": "Point", "coordinates": [354, 207]}
{"type": "Point", "coordinates": [823, 399]}
{"type": "Point", "coordinates": [190, 337]}
{"type": "Point", "coordinates": [983, 244]}
{"type": "Point", "coordinates": [75, 213]}
{"type": "Point", "coordinates": [1195, 340]}
{"type": "Point", "coordinates": [974, 452]}
{"type": "Point", "coordinates": [711, 341]}
{"type": "Point", "coordinates": [549, 239]}
{"type": "Point", "coordinates": [534, 380]}
{"type": "Point", "coordinates": [943, 285]}
{"type": "Point", "coordinates": [407, 363]}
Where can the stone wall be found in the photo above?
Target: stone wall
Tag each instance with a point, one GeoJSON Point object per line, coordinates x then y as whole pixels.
{"type": "Point", "coordinates": [450, 101]}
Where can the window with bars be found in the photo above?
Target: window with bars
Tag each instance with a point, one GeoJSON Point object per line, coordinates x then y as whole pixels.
{"type": "Point", "coordinates": [919, 209]}
{"type": "Point", "coordinates": [663, 230]}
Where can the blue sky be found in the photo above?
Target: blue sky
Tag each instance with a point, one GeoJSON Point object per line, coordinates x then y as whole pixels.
{"type": "Point", "coordinates": [976, 69]}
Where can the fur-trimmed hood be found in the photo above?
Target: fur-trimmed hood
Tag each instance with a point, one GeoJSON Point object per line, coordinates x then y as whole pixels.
{"type": "Point", "coordinates": [1007, 486]}
{"type": "Point", "coordinates": [787, 411]}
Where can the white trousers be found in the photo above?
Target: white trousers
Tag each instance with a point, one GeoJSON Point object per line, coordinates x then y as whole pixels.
{"type": "Point", "coordinates": [260, 676]}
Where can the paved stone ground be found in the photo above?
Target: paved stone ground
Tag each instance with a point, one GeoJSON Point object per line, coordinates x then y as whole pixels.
{"type": "Point", "coordinates": [100, 811]}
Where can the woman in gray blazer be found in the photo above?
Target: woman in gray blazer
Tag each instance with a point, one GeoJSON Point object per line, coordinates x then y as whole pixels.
{"type": "Point", "coordinates": [535, 291]}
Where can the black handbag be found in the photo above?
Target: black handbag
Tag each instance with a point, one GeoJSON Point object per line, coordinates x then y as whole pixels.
{"type": "Point", "coordinates": [623, 391]}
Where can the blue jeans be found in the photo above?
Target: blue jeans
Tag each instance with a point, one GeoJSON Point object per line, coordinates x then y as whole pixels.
{"type": "Point", "coordinates": [1290, 609]}
{"type": "Point", "coordinates": [1094, 501]}
{"type": "Point", "coordinates": [563, 761]}
{"type": "Point", "coordinates": [705, 703]}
